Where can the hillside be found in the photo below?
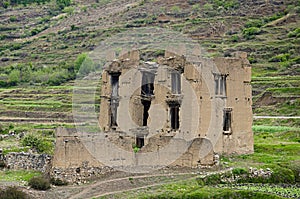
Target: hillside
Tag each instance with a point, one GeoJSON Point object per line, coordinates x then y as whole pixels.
{"type": "Point", "coordinates": [44, 42]}
{"type": "Point", "coordinates": [35, 40]}
{"type": "Point", "coordinates": [37, 76]}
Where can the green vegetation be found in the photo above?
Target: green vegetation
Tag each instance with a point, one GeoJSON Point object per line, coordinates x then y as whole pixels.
{"type": "Point", "coordinates": [41, 145]}
{"type": "Point", "coordinates": [13, 193]}
{"type": "Point", "coordinates": [58, 182]}
{"type": "Point", "coordinates": [39, 183]}
{"type": "Point", "coordinates": [249, 33]}
{"type": "Point", "coordinates": [191, 189]}
{"type": "Point", "coordinates": [27, 73]}
{"type": "Point", "coordinates": [17, 175]}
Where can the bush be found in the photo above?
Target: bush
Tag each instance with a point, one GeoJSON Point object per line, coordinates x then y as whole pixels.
{"type": "Point", "coordinates": [239, 171]}
{"type": "Point", "coordinates": [294, 33]}
{"type": "Point", "coordinates": [63, 3]}
{"type": "Point", "coordinates": [86, 67]}
{"type": "Point", "coordinates": [2, 164]}
{"type": "Point", "coordinates": [13, 77]}
{"type": "Point", "coordinates": [196, 8]}
{"type": "Point", "coordinates": [282, 175]}
{"type": "Point", "coordinates": [249, 33]}
{"type": "Point", "coordinates": [175, 9]}
{"type": "Point", "coordinates": [39, 183]}
{"type": "Point", "coordinates": [234, 38]}
{"type": "Point", "coordinates": [213, 179]}
{"type": "Point", "coordinates": [5, 4]}
{"type": "Point", "coordinates": [254, 23]}
{"type": "Point", "coordinates": [12, 18]}
{"type": "Point", "coordinates": [37, 143]}
{"type": "Point", "coordinates": [280, 58]}
{"type": "Point", "coordinates": [13, 193]}
{"type": "Point", "coordinates": [58, 182]}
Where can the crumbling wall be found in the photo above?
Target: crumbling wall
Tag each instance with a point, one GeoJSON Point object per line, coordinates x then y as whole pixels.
{"type": "Point", "coordinates": [239, 99]}
{"type": "Point", "coordinates": [213, 107]}
{"type": "Point", "coordinates": [28, 161]}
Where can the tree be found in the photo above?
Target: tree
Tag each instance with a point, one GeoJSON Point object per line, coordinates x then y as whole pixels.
{"type": "Point", "coordinates": [13, 77]}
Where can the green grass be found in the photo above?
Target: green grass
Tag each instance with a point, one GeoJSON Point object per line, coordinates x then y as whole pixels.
{"type": "Point", "coordinates": [283, 91]}
{"type": "Point", "coordinates": [17, 175]}
{"type": "Point", "coordinates": [292, 190]}
{"type": "Point", "coordinates": [287, 108]}
{"type": "Point", "coordinates": [190, 189]}
{"type": "Point", "coordinates": [274, 129]}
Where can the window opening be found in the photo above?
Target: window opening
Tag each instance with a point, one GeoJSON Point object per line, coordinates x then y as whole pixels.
{"type": "Point", "coordinates": [174, 116]}
{"type": "Point", "coordinates": [220, 84]}
{"type": "Point", "coordinates": [227, 120]}
{"type": "Point", "coordinates": [146, 104]}
{"type": "Point", "coordinates": [114, 103]}
{"type": "Point", "coordinates": [147, 83]}
{"type": "Point", "coordinates": [140, 142]}
{"type": "Point", "coordinates": [176, 82]}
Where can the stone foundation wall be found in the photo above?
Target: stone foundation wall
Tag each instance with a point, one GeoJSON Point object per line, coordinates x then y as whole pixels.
{"type": "Point", "coordinates": [79, 175]}
{"type": "Point", "coordinates": [28, 161]}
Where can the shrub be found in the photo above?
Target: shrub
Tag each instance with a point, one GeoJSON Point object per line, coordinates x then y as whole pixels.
{"type": "Point", "coordinates": [249, 33]}
{"type": "Point", "coordinates": [39, 183]}
{"type": "Point", "coordinates": [63, 3]}
{"type": "Point", "coordinates": [239, 171]}
{"type": "Point", "coordinates": [196, 7]}
{"type": "Point", "coordinates": [282, 175]}
{"type": "Point", "coordinates": [254, 23]}
{"type": "Point", "coordinates": [2, 164]}
{"type": "Point", "coordinates": [13, 77]}
{"type": "Point", "coordinates": [175, 9]}
{"type": "Point", "coordinates": [69, 10]}
{"type": "Point", "coordinates": [58, 182]}
{"type": "Point", "coordinates": [213, 179]}
{"type": "Point", "coordinates": [37, 143]}
{"type": "Point", "coordinates": [86, 67]}
{"type": "Point", "coordinates": [12, 18]}
{"type": "Point", "coordinates": [280, 58]}
{"type": "Point", "coordinates": [5, 4]}
{"type": "Point", "coordinates": [13, 193]}
{"type": "Point", "coordinates": [294, 33]}
{"type": "Point", "coordinates": [234, 38]}
{"type": "Point", "coordinates": [208, 7]}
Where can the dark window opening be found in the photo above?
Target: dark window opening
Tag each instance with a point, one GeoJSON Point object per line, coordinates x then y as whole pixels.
{"type": "Point", "coordinates": [114, 111]}
{"type": "Point", "coordinates": [216, 85]}
{"type": "Point", "coordinates": [146, 104]}
{"type": "Point", "coordinates": [140, 142]}
{"type": "Point", "coordinates": [176, 82]}
{"type": "Point", "coordinates": [147, 84]}
{"type": "Point", "coordinates": [227, 120]}
{"type": "Point", "coordinates": [220, 84]}
{"type": "Point", "coordinates": [114, 103]}
{"type": "Point", "coordinates": [174, 116]}
{"type": "Point", "coordinates": [115, 84]}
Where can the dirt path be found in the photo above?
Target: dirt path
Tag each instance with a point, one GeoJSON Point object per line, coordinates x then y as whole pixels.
{"type": "Point", "coordinates": [107, 187]}
{"type": "Point", "coordinates": [129, 183]}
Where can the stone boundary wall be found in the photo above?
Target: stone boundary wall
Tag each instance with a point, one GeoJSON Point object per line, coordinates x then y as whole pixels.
{"type": "Point", "coordinates": [27, 161]}
{"type": "Point", "coordinates": [80, 174]}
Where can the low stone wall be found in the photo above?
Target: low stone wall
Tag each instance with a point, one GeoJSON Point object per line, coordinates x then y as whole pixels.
{"type": "Point", "coordinates": [28, 161]}
{"type": "Point", "coordinates": [80, 174]}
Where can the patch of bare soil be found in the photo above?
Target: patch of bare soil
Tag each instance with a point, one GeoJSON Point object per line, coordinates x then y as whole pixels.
{"type": "Point", "coordinates": [267, 99]}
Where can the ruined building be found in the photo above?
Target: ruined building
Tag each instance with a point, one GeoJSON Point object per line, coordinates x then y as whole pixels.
{"type": "Point", "coordinates": [175, 109]}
